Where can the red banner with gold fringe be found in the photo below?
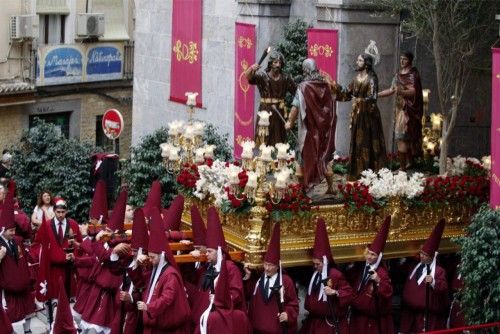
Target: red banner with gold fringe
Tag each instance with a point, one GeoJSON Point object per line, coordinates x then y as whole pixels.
{"type": "Point", "coordinates": [495, 130]}
{"type": "Point", "coordinates": [185, 67]}
{"type": "Point", "coordinates": [322, 46]}
{"type": "Point", "coordinates": [243, 91]}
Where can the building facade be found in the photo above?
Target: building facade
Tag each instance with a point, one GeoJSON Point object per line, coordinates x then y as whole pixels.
{"type": "Point", "coordinates": [153, 55]}
{"type": "Point", "coordinates": [66, 62]}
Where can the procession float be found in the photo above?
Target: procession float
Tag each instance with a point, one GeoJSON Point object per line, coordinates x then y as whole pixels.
{"type": "Point", "coordinates": [262, 188]}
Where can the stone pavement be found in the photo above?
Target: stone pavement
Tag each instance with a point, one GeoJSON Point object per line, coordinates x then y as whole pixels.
{"type": "Point", "coordinates": [38, 325]}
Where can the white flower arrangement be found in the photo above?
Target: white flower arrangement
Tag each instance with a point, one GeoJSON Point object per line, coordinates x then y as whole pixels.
{"type": "Point", "coordinates": [486, 162]}
{"type": "Point", "coordinates": [456, 166]}
{"type": "Point", "coordinates": [213, 181]}
{"type": "Point", "coordinates": [386, 184]}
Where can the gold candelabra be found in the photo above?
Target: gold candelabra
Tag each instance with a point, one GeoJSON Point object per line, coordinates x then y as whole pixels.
{"type": "Point", "coordinates": [185, 143]}
{"type": "Point", "coordinates": [431, 128]}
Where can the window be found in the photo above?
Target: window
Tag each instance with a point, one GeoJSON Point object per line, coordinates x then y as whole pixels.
{"type": "Point", "coordinates": [52, 29]}
{"type": "Point", "coordinates": [60, 120]}
{"type": "Point", "coordinates": [100, 138]}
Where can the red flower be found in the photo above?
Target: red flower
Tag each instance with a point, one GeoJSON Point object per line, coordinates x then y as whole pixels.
{"type": "Point", "coordinates": [235, 203]}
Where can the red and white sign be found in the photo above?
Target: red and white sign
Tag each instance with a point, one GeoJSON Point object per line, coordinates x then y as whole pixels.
{"type": "Point", "coordinates": [112, 123]}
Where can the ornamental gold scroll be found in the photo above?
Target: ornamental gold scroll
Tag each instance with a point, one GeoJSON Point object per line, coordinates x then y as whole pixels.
{"type": "Point", "coordinates": [321, 50]}
{"type": "Point", "coordinates": [245, 42]}
{"type": "Point", "coordinates": [186, 51]}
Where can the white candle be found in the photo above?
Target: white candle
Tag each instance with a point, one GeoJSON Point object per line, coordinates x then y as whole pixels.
{"type": "Point", "coordinates": [209, 151]}
{"type": "Point", "coordinates": [436, 121]}
{"type": "Point", "coordinates": [282, 178]}
{"type": "Point", "coordinates": [233, 177]}
{"type": "Point", "coordinates": [165, 150]}
{"type": "Point", "coordinates": [281, 181]}
{"type": "Point", "coordinates": [174, 127]}
{"type": "Point", "coordinates": [198, 128]}
{"type": "Point", "coordinates": [191, 98]}
{"type": "Point", "coordinates": [199, 152]}
{"type": "Point", "coordinates": [189, 132]}
{"type": "Point", "coordinates": [252, 180]}
{"type": "Point", "coordinates": [174, 153]}
{"type": "Point", "coordinates": [282, 150]}
{"type": "Point", "coordinates": [248, 147]}
{"type": "Point", "coordinates": [265, 152]}
{"type": "Point", "coordinates": [264, 118]}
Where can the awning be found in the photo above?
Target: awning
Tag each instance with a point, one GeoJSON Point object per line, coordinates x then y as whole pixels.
{"type": "Point", "coordinates": [52, 7]}
{"type": "Point", "coordinates": [114, 18]}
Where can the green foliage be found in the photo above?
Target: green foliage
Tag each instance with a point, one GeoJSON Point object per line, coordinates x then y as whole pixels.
{"type": "Point", "coordinates": [145, 164]}
{"type": "Point", "coordinates": [480, 268]}
{"type": "Point", "coordinates": [293, 46]}
{"type": "Point", "coordinates": [45, 160]}
{"type": "Point", "coordinates": [244, 208]}
{"type": "Point", "coordinates": [223, 151]}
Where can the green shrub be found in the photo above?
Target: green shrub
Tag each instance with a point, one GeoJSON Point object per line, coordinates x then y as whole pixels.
{"type": "Point", "coordinates": [480, 268]}
{"type": "Point", "coordinates": [45, 160]}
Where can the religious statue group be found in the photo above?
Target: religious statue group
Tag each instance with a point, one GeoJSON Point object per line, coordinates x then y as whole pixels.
{"type": "Point", "coordinates": [314, 107]}
{"type": "Point", "coordinates": [95, 278]}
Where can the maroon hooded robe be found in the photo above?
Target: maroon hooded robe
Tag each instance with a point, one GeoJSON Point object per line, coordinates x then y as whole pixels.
{"type": "Point", "coordinates": [168, 308]}
{"type": "Point", "coordinates": [57, 257]}
{"type": "Point", "coordinates": [263, 312]}
{"type": "Point", "coordinates": [320, 320]}
{"type": "Point", "coordinates": [15, 278]}
{"type": "Point", "coordinates": [413, 310]}
{"type": "Point", "coordinates": [223, 318]}
{"type": "Point", "coordinates": [371, 307]}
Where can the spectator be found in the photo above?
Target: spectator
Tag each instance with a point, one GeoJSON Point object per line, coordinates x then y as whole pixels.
{"type": "Point", "coordinates": [44, 206]}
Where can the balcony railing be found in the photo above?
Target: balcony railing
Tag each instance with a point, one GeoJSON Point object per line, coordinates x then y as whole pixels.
{"type": "Point", "coordinates": [128, 61]}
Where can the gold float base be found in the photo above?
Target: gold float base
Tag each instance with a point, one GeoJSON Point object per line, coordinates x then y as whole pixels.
{"type": "Point", "coordinates": [349, 232]}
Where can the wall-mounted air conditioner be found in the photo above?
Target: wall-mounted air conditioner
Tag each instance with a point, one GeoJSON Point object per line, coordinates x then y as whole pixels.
{"type": "Point", "coordinates": [90, 25]}
{"type": "Point", "coordinates": [23, 27]}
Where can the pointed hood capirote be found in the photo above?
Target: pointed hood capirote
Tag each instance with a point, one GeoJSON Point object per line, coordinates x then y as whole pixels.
{"type": "Point", "coordinates": [99, 206]}
{"type": "Point", "coordinates": [117, 219]}
{"type": "Point", "coordinates": [273, 249]}
{"type": "Point", "coordinates": [154, 199]}
{"type": "Point", "coordinates": [215, 234]}
{"type": "Point", "coordinates": [431, 245]}
{"type": "Point", "coordinates": [378, 244]}
{"type": "Point", "coordinates": [140, 236]}
{"type": "Point", "coordinates": [198, 226]}
{"type": "Point", "coordinates": [158, 241]}
{"type": "Point", "coordinates": [173, 216]}
{"type": "Point", "coordinates": [222, 295]}
{"type": "Point", "coordinates": [321, 243]}
{"type": "Point", "coordinates": [63, 323]}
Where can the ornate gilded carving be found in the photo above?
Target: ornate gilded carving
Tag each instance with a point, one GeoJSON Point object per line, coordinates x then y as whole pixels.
{"type": "Point", "coordinates": [349, 232]}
